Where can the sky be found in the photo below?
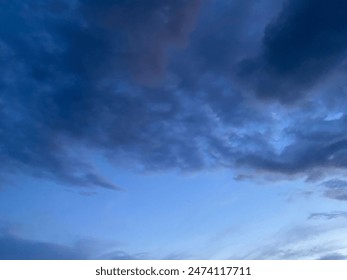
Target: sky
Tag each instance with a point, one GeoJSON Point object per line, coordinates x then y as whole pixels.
{"type": "Point", "coordinates": [173, 129]}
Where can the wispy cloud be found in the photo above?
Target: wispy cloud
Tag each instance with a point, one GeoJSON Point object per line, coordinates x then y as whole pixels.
{"type": "Point", "coordinates": [335, 189]}
{"type": "Point", "coordinates": [301, 242]}
{"type": "Point", "coordinates": [328, 216]}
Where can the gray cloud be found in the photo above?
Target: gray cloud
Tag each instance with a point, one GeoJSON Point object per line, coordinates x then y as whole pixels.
{"type": "Point", "coordinates": [335, 189]}
{"type": "Point", "coordinates": [328, 216]}
{"type": "Point", "coordinates": [334, 256]}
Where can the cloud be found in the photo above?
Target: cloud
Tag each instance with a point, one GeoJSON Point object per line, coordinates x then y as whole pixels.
{"type": "Point", "coordinates": [69, 90]}
{"type": "Point", "coordinates": [178, 256]}
{"type": "Point", "coordinates": [13, 247]}
{"type": "Point", "coordinates": [104, 77]}
{"type": "Point", "coordinates": [64, 84]}
{"type": "Point", "coordinates": [328, 216]}
{"type": "Point", "coordinates": [145, 30]}
{"type": "Point", "coordinates": [312, 145]}
{"type": "Point", "coordinates": [302, 47]}
{"type": "Point", "coordinates": [300, 242]}
{"type": "Point", "coordinates": [335, 189]}
{"type": "Point", "coordinates": [121, 255]}
{"type": "Point", "coordinates": [283, 245]}
{"type": "Point", "coordinates": [335, 256]}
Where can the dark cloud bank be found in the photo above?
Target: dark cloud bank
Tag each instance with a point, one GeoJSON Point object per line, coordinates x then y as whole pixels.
{"type": "Point", "coordinates": [171, 84]}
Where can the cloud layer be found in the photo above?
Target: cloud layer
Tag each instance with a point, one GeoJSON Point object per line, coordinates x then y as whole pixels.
{"type": "Point", "coordinates": [184, 85]}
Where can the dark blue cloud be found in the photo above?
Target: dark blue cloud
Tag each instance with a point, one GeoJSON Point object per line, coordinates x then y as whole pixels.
{"type": "Point", "coordinates": [66, 68]}
{"type": "Point", "coordinates": [316, 144]}
{"type": "Point", "coordinates": [151, 84]}
{"type": "Point", "coordinates": [75, 88]}
{"type": "Point", "coordinates": [301, 47]}
{"type": "Point", "coordinates": [144, 30]}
